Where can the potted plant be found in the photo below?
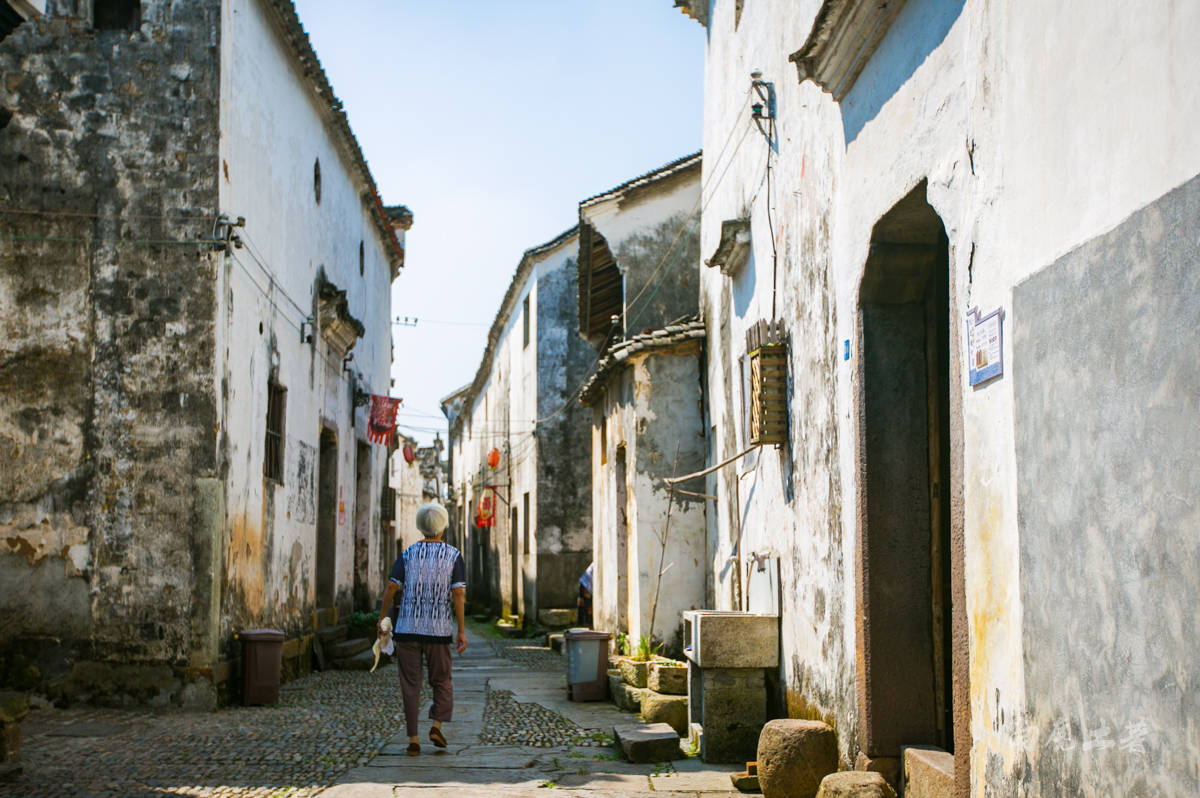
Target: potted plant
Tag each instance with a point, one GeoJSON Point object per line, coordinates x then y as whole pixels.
{"type": "Point", "coordinates": [634, 663]}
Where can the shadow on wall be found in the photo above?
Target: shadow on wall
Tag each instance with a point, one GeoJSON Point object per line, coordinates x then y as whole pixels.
{"type": "Point", "coordinates": [920, 27]}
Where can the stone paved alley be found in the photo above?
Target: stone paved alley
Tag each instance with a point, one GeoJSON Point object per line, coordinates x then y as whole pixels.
{"type": "Point", "coordinates": [340, 735]}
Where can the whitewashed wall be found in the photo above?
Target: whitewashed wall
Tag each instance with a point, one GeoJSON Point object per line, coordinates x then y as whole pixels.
{"type": "Point", "coordinates": [273, 129]}
{"type": "Point", "coordinates": [501, 416]}
{"type": "Point", "coordinates": [1038, 129]}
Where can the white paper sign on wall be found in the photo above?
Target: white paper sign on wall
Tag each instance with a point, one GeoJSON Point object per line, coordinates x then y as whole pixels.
{"type": "Point", "coordinates": [985, 345]}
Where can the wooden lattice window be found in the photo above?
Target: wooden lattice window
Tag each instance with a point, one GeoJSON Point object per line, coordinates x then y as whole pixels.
{"type": "Point", "coordinates": [273, 455]}
{"type": "Point", "coordinates": [766, 348]}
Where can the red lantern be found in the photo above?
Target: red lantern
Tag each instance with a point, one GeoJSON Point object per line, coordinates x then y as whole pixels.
{"type": "Point", "coordinates": [485, 514]}
{"type": "Point", "coordinates": [494, 458]}
{"type": "Point", "coordinates": [410, 454]}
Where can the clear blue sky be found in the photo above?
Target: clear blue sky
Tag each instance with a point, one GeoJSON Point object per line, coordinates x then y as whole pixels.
{"type": "Point", "coordinates": [491, 121]}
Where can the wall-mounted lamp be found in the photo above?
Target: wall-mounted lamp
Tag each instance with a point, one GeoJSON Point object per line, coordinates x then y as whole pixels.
{"type": "Point", "coordinates": [763, 106]}
{"type": "Point", "coordinates": [306, 331]}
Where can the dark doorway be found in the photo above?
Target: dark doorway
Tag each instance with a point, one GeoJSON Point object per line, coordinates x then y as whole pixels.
{"type": "Point", "coordinates": [362, 527]}
{"type": "Point", "coordinates": [620, 512]}
{"type": "Point", "coordinates": [515, 557]}
{"type": "Point", "coordinates": [327, 480]}
{"type": "Point", "coordinates": [906, 672]}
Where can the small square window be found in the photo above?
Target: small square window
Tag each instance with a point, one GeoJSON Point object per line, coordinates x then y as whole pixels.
{"type": "Point", "coordinates": [273, 454]}
{"type": "Point", "coordinates": [116, 14]}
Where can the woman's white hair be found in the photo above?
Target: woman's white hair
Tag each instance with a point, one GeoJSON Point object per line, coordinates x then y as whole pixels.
{"type": "Point", "coordinates": [432, 519]}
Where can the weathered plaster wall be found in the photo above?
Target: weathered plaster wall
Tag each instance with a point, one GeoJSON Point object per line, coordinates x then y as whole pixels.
{"type": "Point", "coordinates": [652, 407]}
{"type": "Point", "coordinates": [108, 171]}
{"type": "Point", "coordinates": [1106, 385]}
{"type": "Point", "coordinates": [274, 131]}
{"type": "Point", "coordinates": [564, 508]}
{"type": "Point", "coordinates": [1032, 145]}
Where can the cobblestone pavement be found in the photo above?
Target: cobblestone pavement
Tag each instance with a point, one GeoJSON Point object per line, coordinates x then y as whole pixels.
{"type": "Point", "coordinates": [323, 724]}
{"type": "Point", "coordinates": [507, 721]}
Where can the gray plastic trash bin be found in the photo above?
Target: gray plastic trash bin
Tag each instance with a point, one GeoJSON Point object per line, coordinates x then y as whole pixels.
{"type": "Point", "coordinates": [262, 660]}
{"type": "Point", "coordinates": [587, 664]}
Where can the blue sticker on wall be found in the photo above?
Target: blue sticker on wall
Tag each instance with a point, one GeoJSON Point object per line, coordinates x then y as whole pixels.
{"type": "Point", "coordinates": [846, 349]}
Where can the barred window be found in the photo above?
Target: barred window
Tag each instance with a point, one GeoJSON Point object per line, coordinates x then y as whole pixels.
{"type": "Point", "coordinates": [273, 457]}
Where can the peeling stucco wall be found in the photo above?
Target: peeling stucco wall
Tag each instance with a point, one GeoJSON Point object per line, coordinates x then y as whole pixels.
{"type": "Point", "coordinates": [107, 175]}
{"type": "Point", "coordinates": [1110, 676]}
{"type": "Point", "coordinates": [137, 531]}
{"type": "Point", "coordinates": [652, 408]}
{"type": "Point", "coordinates": [1028, 155]}
{"type": "Point", "coordinates": [564, 506]}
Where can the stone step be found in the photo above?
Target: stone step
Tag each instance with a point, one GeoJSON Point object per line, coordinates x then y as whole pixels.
{"type": "Point", "coordinates": [557, 618]}
{"type": "Point", "coordinates": [855, 784]}
{"type": "Point", "coordinates": [640, 743]}
{"type": "Point", "coordinates": [555, 642]}
{"type": "Point", "coordinates": [326, 616]}
{"type": "Point", "coordinates": [348, 648]}
{"type": "Point", "coordinates": [669, 709]}
{"type": "Point", "coordinates": [928, 772]}
{"type": "Point", "coordinates": [362, 661]}
{"type": "Point", "coordinates": [329, 635]}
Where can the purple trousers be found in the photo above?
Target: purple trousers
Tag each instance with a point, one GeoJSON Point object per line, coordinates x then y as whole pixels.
{"type": "Point", "coordinates": [409, 654]}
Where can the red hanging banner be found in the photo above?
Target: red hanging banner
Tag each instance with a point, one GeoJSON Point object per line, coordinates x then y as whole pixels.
{"type": "Point", "coordinates": [381, 428]}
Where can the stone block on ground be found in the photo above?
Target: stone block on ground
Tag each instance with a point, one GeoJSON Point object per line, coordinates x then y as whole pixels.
{"type": "Point", "coordinates": [623, 695]}
{"type": "Point", "coordinates": [668, 678]}
{"type": "Point", "coordinates": [557, 618]}
{"type": "Point", "coordinates": [732, 712]}
{"type": "Point", "coordinates": [928, 772]}
{"type": "Point", "coordinates": [855, 784]}
{"type": "Point", "coordinates": [634, 673]}
{"type": "Point", "coordinates": [669, 709]}
{"type": "Point", "coordinates": [886, 766]}
{"type": "Point", "coordinates": [745, 781]}
{"type": "Point", "coordinates": [555, 642]}
{"type": "Point", "coordinates": [640, 743]}
{"type": "Point", "coordinates": [793, 756]}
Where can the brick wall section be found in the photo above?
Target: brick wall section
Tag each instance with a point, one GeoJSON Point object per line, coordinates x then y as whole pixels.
{"type": "Point", "coordinates": [107, 407]}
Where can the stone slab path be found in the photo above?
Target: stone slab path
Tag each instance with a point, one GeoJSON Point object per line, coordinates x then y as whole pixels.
{"type": "Point", "coordinates": [339, 734]}
{"type": "Point", "coordinates": [515, 734]}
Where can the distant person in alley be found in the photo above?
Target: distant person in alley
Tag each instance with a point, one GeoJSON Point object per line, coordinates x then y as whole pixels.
{"type": "Point", "coordinates": [431, 578]}
{"type": "Point", "coordinates": [583, 604]}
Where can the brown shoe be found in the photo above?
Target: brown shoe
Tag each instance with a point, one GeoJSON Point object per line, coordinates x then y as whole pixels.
{"type": "Point", "coordinates": [435, 734]}
{"type": "Point", "coordinates": [414, 749]}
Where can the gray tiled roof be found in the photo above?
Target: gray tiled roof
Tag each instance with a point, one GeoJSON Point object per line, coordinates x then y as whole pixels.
{"type": "Point", "coordinates": [689, 328]}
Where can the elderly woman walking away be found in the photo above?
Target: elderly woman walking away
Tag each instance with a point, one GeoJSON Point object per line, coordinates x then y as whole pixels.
{"type": "Point", "coordinates": [431, 578]}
